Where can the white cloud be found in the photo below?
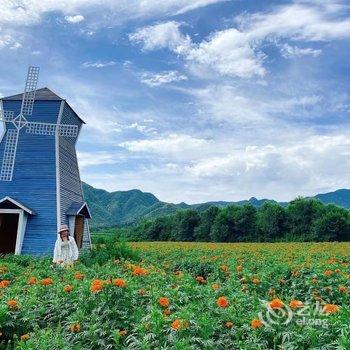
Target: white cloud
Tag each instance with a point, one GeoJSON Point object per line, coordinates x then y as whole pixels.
{"type": "Point", "coordinates": [305, 22]}
{"type": "Point", "coordinates": [274, 171]}
{"type": "Point", "coordinates": [173, 144]}
{"type": "Point", "coordinates": [162, 35]}
{"type": "Point", "coordinates": [236, 52]}
{"type": "Point", "coordinates": [74, 19]}
{"type": "Point", "coordinates": [88, 159]}
{"type": "Point", "coordinates": [26, 12]}
{"type": "Point", "coordinates": [289, 51]}
{"type": "Point", "coordinates": [8, 41]}
{"type": "Point", "coordinates": [98, 64]}
{"type": "Point", "coordinates": [157, 79]}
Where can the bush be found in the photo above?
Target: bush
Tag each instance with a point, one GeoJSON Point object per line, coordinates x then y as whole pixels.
{"type": "Point", "coordinates": [108, 248]}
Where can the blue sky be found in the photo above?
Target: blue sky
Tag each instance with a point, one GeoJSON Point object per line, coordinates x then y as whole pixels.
{"type": "Point", "coordinates": [194, 100]}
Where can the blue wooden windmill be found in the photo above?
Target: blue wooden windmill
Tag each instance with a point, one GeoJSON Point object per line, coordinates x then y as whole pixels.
{"type": "Point", "coordinates": [40, 185]}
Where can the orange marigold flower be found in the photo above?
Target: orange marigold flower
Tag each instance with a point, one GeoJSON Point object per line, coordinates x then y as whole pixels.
{"type": "Point", "coordinates": [142, 291]}
{"type": "Point", "coordinates": [32, 281]}
{"type": "Point", "coordinates": [25, 337]}
{"type": "Point", "coordinates": [276, 304]}
{"type": "Point", "coordinates": [239, 268]}
{"type": "Point", "coordinates": [176, 325]}
{"type": "Point", "coordinates": [331, 308]}
{"type": "Point", "coordinates": [123, 332]}
{"type": "Point", "coordinates": [215, 286]}
{"type": "Point", "coordinates": [255, 280]}
{"type": "Point", "coordinates": [75, 327]}
{"type": "Point", "coordinates": [12, 304]}
{"type": "Point", "coordinates": [337, 270]}
{"type": "Point", "coordinates": [96, 286]}
{"type": "Point", "coordinates": [256, 323]}
{"type": "Point", "coordinates": [163, 301]}
{"type": "Point", "coordinates": [343, 289]}
{"type": "Point", "coordinates": [294, 304]}
{"type": "Point", "coordinates": [79, 276]}
{"type": "Point", "coordinates": [139, 271]}
{"type": "Point", "coordinates": [166, 312]}
{"type": "Point", "coordinates": [4, 284]}
{"type": "Point", "coordinates": [3, 269]}
{"type": "Point", "coordinates": [295, 273]}
{"type": "Point", "coordinates": [224, 268]}
{"type": "Point", "coordinates": [46, 281]}
{"type": "Point", "coordinates": [229, 324]}
{"type": "Point", "coordinates": [200, 279]}
{"type": "Point", "coordinates": [328, 273]}
{"type": "Point", "coordinates": [119, 282]}
{"type": "Point", "coordinates": [68, 288]}
{"type": "Point", "coordinates": [222, 302]}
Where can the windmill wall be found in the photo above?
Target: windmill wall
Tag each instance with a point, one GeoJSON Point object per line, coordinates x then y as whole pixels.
{"type": "Point", "coordinates": [69, 177]}
{"type": "Point", "coordinates": [34, 178]}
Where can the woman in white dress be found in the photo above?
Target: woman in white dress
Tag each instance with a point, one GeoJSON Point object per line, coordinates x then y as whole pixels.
{"type": "Point", "coordinates": [66, 250]}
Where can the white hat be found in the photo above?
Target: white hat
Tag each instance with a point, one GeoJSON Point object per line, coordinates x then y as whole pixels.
{"type": "Point", "coordinates": [63, 228]}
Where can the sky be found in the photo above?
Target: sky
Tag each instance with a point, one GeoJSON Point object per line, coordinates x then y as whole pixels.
{"type": "Point", "coordinates": [194, 101]}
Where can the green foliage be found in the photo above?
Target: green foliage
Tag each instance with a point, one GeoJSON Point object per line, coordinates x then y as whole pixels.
{"type": "Point", "coordinates": [108, 248]}
{"type": "Point", "coordinates": [302, 220]}
{"type": "Point", "coordinates": [130, 316]}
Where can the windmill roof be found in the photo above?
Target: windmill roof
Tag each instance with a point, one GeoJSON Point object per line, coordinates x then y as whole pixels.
{"type": "Point", "coordinates": [16, 203]}
{"type": "Point", "coordinates": [43, 94]}
{"type": "Point", "coordinates": [79, 208]}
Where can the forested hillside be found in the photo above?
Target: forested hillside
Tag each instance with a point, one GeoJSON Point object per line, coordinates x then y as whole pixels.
{"type": "Point", "coordinates": [301, 220]}
{"type": "Point", "coordinates": [124, 208]}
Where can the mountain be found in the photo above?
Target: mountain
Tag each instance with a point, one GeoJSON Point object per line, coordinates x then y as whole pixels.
{"type": "Point", "coordinates": [339, 197]}
{"type": "Point", "coordinates": [124, 207]}
{"type": "Point", "coordinates": [121, 208]}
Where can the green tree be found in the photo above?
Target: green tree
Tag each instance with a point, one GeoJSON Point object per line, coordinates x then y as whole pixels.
{"type": "Point", "coordinates": [302, 213]}
{"type": "Point", "coordinates": [184, 224]}
{"type": "Point", "coordinates": [271, 222]}
{"type": "Point", "coordinates": [333, 225]}
{"type": "Point", "coordinates": [223, 226]}
{"type": "Point", "coordinates": [207, 218]}
{"type": "Point", "coordinates": [245, 218]}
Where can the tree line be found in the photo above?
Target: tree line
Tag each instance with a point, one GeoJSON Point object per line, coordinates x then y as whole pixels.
{"type": "Point", "coordinates": [302, 220]}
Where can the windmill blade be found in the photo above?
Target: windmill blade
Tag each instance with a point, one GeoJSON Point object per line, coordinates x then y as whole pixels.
{"type": "Point", "coordinates": [50, 129]}
{"type": "Point", "coordinates": [6, 116]}
{"type": "Point", "coordinates": [9, 157]}
{"type": "Point", "coordinates": [68, 130]}
{"type": "Point", "coordinates": [41, 128]}
{"type": "Point", "coordinates": [29, 91]}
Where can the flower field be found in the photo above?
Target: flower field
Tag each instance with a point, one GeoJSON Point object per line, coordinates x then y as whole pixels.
{"type": "Point", "coordinates": [182, 296]}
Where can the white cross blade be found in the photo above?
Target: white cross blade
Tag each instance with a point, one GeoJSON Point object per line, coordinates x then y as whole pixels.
{"type": "Point", "coordinates": [29, 91]}
{"type": "Point", "coordinates": [50, 129]}
{"type": "Point", "coordinates": [9, 157]}
{"type": "Point", "coordinates": [6, 116]}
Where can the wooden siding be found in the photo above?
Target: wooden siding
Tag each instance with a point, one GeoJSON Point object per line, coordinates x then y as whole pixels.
{"type": "Point", "coordinates": [70, 183]}
{"type": "Point", "coordinates": [34, 178]}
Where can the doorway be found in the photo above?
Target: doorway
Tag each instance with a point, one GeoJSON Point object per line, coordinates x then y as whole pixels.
{"type": "Point", "coordinates": [79, 230]}
{"type": "Point", "coordinates": [8, 233]}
